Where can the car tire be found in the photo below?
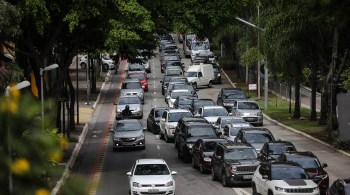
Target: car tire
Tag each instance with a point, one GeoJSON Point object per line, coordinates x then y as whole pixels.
{"type": "Point", "coordinates": [166, 138]}
{"type": "Point", "coordinates": [214, 177]}
{"type": "Point", "coordinates": [83, 65]}
{"type": "Point", "coordinates": [254, 192]}
{"type": "Point", "coordinates": [193, 163]}
{"type": "Point", "coordinates": [224, 180]}
{"type": "Point", "coordinates": [210, 85]}
{"type": "Point", "coordinates": [201, 168]}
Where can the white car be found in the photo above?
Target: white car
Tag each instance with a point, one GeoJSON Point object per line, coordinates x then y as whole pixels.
{"type": "Point", "coordinates": [151, 176]}
{"type": "Point", "coordinates": [176, 93]}
{"type": "Point", "coordinates": [212, 113]}
{"type": "Point", "coordinates": [107, 63]}
{"type": "Point", "coordinates": [279, 178]}
{"type": "Point", "coordinates": [168, 122]}
{"type": "Point", "coordinates": [230, 130]}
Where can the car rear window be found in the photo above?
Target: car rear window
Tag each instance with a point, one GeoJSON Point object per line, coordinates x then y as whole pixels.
{"type": "Point", "coordinates": [131, 85]}
{"type": "Point", "coordinates": [198, 131]}
{"type": "Point", "coordinates": [215, 112]}
{"type": "Point", "coordinates": [306, 162]}
{"type": "Point", "coordinates": [248, 106]}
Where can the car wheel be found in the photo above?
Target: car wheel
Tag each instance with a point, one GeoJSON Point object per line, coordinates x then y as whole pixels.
{"type": "Point", "coordinates": [210, 85]}
{"type": "Point", "coordinates": [193, 163]}
{"type": "Point", "coordinates": [166, 138]}
{"type": "Point", "coordinates": [105, 67]}
{"type": "Point", "coordinates": [83, 65]}
{"type": "Point", "coordinates": [179, 155]}
{"type": "Point", "coordinates": [224, 180]}
{"type": "Point", "coordinates": [201, 168]}
{"type": "Point", "coordinates": [254, 192]}
{"type": "Point", "coordinates": [161, 135]}
{"type": "Point", "coordinates": [214, 177]}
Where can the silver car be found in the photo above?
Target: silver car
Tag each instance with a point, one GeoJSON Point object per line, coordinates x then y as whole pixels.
{"type": "Point", "coordinates": [134, 103]}
{"type": "Point", "coordinates": [230, 130]}
{"type": "Point", "coordinates": [128, 133]}
{"type": "Point", "coordinates": [132, 87]}
{"type": "Point", "coordinates": [249, 110]}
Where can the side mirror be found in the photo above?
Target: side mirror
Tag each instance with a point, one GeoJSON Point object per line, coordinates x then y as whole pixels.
{"type": "Point", "coordinates": [173, 172]}
{"type": "Point", "coordinates": [128, 173]}
{"type": "Point", "coordinates": [144, 129]}
{"type": "Point", "coordinates": [324, 165]}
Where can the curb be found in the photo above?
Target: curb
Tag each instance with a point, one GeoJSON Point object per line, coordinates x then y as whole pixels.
{"type": "Point", "coordinates": [294, 130]}
{"type": "Point", "coordinates": [77, 147]}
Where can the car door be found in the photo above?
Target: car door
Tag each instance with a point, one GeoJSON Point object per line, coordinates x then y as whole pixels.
{"type": "Point", "coordinates": [182, 137]}
{"type": "Point", "coordinates": [260, 183]}
{"type": "Point", "coordinates": [219, 100]}
{"type": "Point", "coordinates": [196, 151]}
{"type": "Point", "coordinates": [150, 119]}
{"type": "Point", "coordinates": [215, 160]}
{"type": "Point", "coordinates": [163, 121]}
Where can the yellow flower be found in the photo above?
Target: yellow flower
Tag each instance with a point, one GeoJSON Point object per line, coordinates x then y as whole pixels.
{"type": "Point", "coordinates": [42, 191]}
{"type": "Point", "coordinates": [12, 107]}
{"type": "Point", "coordinates": [14, 94]}
{"type": "Point", "coordinates": [56, 156]}
{"type": "Point", "coordinates": [20, 166]}
{"type": "Point", "coordinates": [63, 143]}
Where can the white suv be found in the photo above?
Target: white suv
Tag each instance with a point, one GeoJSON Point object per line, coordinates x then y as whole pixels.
{"type": "Point", "coordinates": [282, 178]}
{"type": "Point", "coordinates": [151, 176]}
{"type": "Point", "coordinates": [168, 122]}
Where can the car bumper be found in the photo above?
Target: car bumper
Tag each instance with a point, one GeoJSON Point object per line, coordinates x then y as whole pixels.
{"type": "Point", "coordinates": [254, 119]}
{"type": "Point", "coordinates": [123, 143]}
{"type": "Point", "coordinates": [153, 190]}
{"type": "Point", "coordinates": [206, 165]}
{"type": "Point", "coordinates": [241, 178]}
{"type": "Point", "coordinates": [289, 193]}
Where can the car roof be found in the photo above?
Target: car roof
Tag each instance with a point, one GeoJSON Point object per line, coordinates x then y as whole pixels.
{"type": "Point", "coordinates": [300, 154]}
{"type": "Point", "coordinates": [221, 140]}
{"type": "Point", "coordinates": [253, 101]}
{"type": "Point", "coordinates": [179, 90]}
{"type": "Point", "coordinates": [233, 145]}
{"type": "Point", "coordinates": [150, 161]}
{"type": "Point", "coordinates": [212, 107]}
{"type": "Point", "coordinates": [173, 110]}
{"type": "Point", "coordinates": [194, 119]}
{"type": "Point", "coordinates": [128, 96]}
{"type": "Point", "coordinates": [199, 124]}
{"type": "Point", "coordinates": [256, 130]}
{"type": "Point", "coordinates": [160, 108]}
{"type": "Point", "coordinates": [240, 124]}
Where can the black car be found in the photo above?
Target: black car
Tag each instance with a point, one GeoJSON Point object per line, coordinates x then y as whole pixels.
{"type": "Point", "coordinates": [203, 151]}
{"type": "Point", "coordinates": [217, 74]}
{"type": "Point", "coordinates": [256, 137]}
{"type": "Point", "coordinates": [154, 118]}
{"type": "Point", "coordinates": [234, 163]}
{"type": "Point", "coordinates": [228, 96]}
{"type": "Point", "coordinates": [186, 120]}
{"type": "Point", "coordinates": [196, 104]}
{"type": "Point", "coordinates": [271, 150]}
{"type": "Point", "coordinates": [188, 134]}
{"type": "Point", "coordinates": [184, 102]}
{"type": "Point", "coordinates": [187, 86]}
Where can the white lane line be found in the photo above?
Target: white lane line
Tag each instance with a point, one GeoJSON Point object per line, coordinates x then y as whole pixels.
{"type": "Point", "coordinates": [241, 191]}
{"type": "Point", "coordinates": [154, 92]}
{"type": "Point", "coordinates": [158, 147]}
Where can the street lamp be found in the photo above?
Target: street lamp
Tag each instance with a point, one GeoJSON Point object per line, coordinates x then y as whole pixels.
{"type": "Point", "coordinates": [42, 70]}
{"type": "Point", "coordinates": [18, 86]}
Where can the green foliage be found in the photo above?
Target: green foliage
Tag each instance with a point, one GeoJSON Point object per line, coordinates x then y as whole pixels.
{"type": "Point", "coordinates": [346, 82]}
{"type": "Point", "coordinates": [306, 76]}
{"type": "Point", "coordinates": [251, 57]}
{"type": "Point", "coordinates": [10, 74]}
{"type": "Point", "coordinates": [9, 21]}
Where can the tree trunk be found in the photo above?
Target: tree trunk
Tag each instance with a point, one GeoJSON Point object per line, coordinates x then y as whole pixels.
{"type": "Point", "coordinates": [324, 103]}
{"type": "Point", "coordinates": [71, 104]}
{"type": "Point", "coordinates": [313, 114]}
{"type": "Point", "coordinates": [297, 114]}
{"type": "Point", "coordinates": [290, 97]}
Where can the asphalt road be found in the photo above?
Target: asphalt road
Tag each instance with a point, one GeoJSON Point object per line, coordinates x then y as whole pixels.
{"type": "Point", "coordinates": [107, 169]}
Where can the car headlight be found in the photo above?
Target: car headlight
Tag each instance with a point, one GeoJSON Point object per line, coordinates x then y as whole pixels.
{"type": "Point", "coordinates": [119, 110]}
{"type": "Point", "coordinates": [189, 146]}
{"type": "Point", "coordinates": [259, 114]}
{"type": "Point", "coordinates": [116, 138]}
{"type": "Point", "coordinates": [207, 159]}
{"type": "Point", "coordinates": [232, 168]}
{"type": "Point", "coordinates": [135, 184]}
{"type": "Point", "coordinates": [141, 136]}
{"type": "Point", "coordinates": [316, 189]}
{"type": "Point", "coordinates": [219, 75]}
{"type": "Point", "coordinates": [170, 183]}
{"type": "Point", "coordinates": [279, 189]}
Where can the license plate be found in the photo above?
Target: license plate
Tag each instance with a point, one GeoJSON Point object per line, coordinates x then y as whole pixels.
{"type": "Point", "coordinates": [153, 190]}
{"type": "Point", "coordinates": [247, 176]}
{"type": "Point", "coordinates": [250, 119]}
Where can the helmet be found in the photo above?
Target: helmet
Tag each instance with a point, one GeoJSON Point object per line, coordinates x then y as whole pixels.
{"type": "Point", "coordinates": [127, 107]}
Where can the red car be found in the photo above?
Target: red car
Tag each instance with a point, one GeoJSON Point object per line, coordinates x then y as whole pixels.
{"type": "Point", "coordinates": [142, 76]}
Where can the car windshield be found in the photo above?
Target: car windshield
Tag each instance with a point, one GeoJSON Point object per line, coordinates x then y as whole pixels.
{"type": "Point", "coordinates": [230, 121]}
{"type": "Point", "coordinates": [248, 106]}
{"type": "Point", "coordinates": [173, 63]}
{"type": "Point", "coordinates": [129, 100]}
{"type": "Point", "coordinates": [131, 85]}
{"type": "Point", "coordinates": [136, 68]}
{"type": "Point", "coordinates": [209, 146]}
{"type": "Point", "coordinates": [198, 131]}
{"type": "Point", "coordinates": [151, 169]}
{"type": "Point", "coordinates": [283, 173]}
{"type": "Point", "coordinates": [191, 74]}
{"type": "Point", "coordinates": [176, 94]}
{"type": "Point", "coordinates": [215, 112]}
{"type": "Point", "coordinates": [241, 154]}
{"type": "Point", "coordinates": [306, 162]}
{"type": "Point", "coordinates": [158, 113]}
{"type": "Point", "coordinates": [275, 149]}
{"type": "Point", "coordinates": [178, 79]}
{"type": "Point", "coordinates": [136, 76]}
{"type": "Point", "coordinates": [234, 130]}
{"type": "Point", "coordinates": [175, 116]}
{"type": "Point", "coordinates": [184, 86]}
{"type": "Point", "coordinates": [199, 104]}
{"type": "Point", "coordinates": [121, 126]}
{"type": "Point", "coordinates": [234, 95]}
{"type": "Point", "coordinates": [173, 72]}
{"type": "Point", "coordinates": [258, 137]}
{"type": "Point", "coordinates": [201, 45]}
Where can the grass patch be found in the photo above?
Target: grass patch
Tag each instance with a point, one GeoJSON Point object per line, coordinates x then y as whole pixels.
{"type": "Point", "coordinates": [55, 173]}
{"type": "Point", "coordinates": [278, 109]}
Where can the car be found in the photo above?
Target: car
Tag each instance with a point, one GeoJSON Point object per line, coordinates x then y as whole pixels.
{"type": "Point", "coordinates": [171, 79]}
{"type": "Point", "coordinates": [183, 121]}
{"type": "Point", "coordinates": [136, 67]}
{"type": "Point", "coordinates": [164, 82]}
{"type": "Point", "coordinates": [234, 163]}
{"type": "Point", "coordinates": [208, 55]}
{"type": "Point", "coordinates": [107, 62]}
{"type": "Point", "coordinates": [128, 133]}
{"type": "Point", "coordinates": [144, 62]}
{"type": "Point", "coordinates": [222, 121]}
{"type": "Point", "coordinates": [142, 76]}
{"type": "Point", "coordinates": [188, 134]}
{"type": "Point", "coordinates": [312, 166]}
{"type": "Point", "coordinates": [170, 52]}
{"type": "Point", "coordinates": [202, 152]}
{"type": "Point", "coordinates": [339, 187]}
{"type": "Point", "coordinates": [217, 74]}
{"type": "Point", "coordinates": [166, 58]}
{"type": "Point", "coordinates": [134, 103]}
{"type": "Point", "coordinates": [212, 113]}
{"type": "Point", "coordinates": [169, 121]}
{"type": "Point", "coordinates": [250, 111]}
{"type": "Point", "coordinates": [256, 137]}
{"type": "Point", "coordinates": [132, 87]}
{"type": "Point", "coordinates": [230, 130]}
{"type": "Point", "coordinates": [184, 102]}
{"type": "Point", "coordinates": [196, 104]}
{"type": "Point", "coordinates": [228, 96]}
{"type": "Point", "coordinates": [153, 119]}
{"type": "Point", "coordinates": [173, 70]}
{"type": "Point", "coordinates": [176, 93]}
{"type": "Point", "coordinates": [175, 85]}
{"type": "Point", "coordinates": [151, 176]}
{"type": "Point", "coordinates": [285, 178]}
{"type": "Point", "coordinates": [176, 63]}
{"type": "Point", "coordinates": [272, 150]}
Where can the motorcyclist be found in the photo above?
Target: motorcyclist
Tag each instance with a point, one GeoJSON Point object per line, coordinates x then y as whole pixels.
{"type": "Point", "coordinates": [126, 113]}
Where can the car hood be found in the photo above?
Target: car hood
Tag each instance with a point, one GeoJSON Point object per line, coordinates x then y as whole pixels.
{"type": "Point", "coordinates": [131, 107]}
{"type": "Point", "coordinates": [138, 91]}
{"type": "Point", "coordinates": [248, 162]}
{"type": "Point", "coordinates": [295, 183]}
{"type": "Point", "coordinates": [128, 133]}
{"type": "Point", "coordinates": [152, 179]}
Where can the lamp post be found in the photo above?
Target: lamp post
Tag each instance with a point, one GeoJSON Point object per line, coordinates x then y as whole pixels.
{"type": "Point", "coordinates": [19, 86]}
{"type": "Point", "coordinates": [42, 70]}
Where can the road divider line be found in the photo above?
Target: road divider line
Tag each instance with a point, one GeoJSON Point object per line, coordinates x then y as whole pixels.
{"type": "Point", "coordinates": [158, 147]}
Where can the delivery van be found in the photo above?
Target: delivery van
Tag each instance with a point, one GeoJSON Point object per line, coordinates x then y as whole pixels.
{"type": "Point", "coordinates": [200, 75]}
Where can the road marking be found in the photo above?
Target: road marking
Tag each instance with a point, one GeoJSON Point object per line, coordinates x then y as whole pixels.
{"type": "Point", "coordinates": [154, 99]}
{"type": "Point", "coordinates": [241, 191]}
{"type": "Point", "coordinates": [158, 147]}
{"type": "Point", "coordinates": [154, 92]}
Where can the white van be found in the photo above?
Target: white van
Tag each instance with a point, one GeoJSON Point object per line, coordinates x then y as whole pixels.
{"type": "Point", "coordinates": [200, 75]}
